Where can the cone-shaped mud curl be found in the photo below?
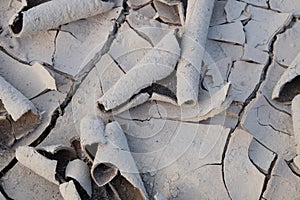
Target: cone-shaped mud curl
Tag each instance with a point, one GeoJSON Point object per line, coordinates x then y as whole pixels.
{"type": "Point", "coordinates": [296, 120]}
{"type": "Point", "coordinates": [91, 135]}
{"type": "Point", "coordinates": [155, 65]}
{"type": "Point", "coordinates": [287, 86]}
{"type": "Point", "coordinates": [193, 42]}
{"type": "Point", "coordinates": [113, 161]}
{"type": "Point", "coordinates": [24, 114]}
{"type": "Point", "coordinates": [33, 17]}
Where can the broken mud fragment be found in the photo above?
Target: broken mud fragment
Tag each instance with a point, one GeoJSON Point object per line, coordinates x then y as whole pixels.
{"type": "Point", "coordinates": [170, 11]}
{"type": "Point", "coordinates": [157, 64]}
{"type": "Point", "coordinates": [287, 86]}
{"type": "Point", "coordinates": [259, 3]}
{"type": "Point", "coordinates": [268, 22]}
{"type": "Point", "coordinates": [137, 3]}
{"type": "Point", "coordinates": [114, 157]}
{"type": "Point", "coordinates": [216, 74]}
{"type": "Point", "coordinates": [147, 11]}
{"type": "Point", "coordinates": [283, 183]}
{"type": "Point", "coordinates": [244, 77]}
{"type": "Point", "coordinates": [152, 30]}
{"type": "Point", "coordinates": [261, 157]}
{"type": "Point", "coordinates": [255, 55]}
{"type": "Point", "coordinates": [219, 15]}
{"type": "Point", "coordinates": [291, 6]}
{"type": "Point", "coordinates": [217, 50]}
{"type": "Point", "coordinates": [79, 45]}
{"type": "Point", "coordinates": [31, 20]}
{"type": "Point", "coordinates": [234, 9]}
{"type": "Point", "coordinates": [198, 16]}
{"type": "Point", "coordinates": [225, 33]}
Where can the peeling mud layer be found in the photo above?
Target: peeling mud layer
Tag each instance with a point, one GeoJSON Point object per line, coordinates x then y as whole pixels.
{"type": "Point", "coordinates": [150, 99]}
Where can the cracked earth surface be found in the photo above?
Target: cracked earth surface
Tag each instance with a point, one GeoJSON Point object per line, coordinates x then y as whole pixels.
{"type": "Point", "coordinates": [245, 148]}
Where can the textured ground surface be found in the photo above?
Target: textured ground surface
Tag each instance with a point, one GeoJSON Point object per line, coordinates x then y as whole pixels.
{"type": "Point", "coordinates": [246, 152]}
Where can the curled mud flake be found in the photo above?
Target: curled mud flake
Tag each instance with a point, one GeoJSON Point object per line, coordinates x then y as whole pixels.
{"type": "Point", "coordinates": [25, 124]}
{"type": "Point", "coordinates": [296, 131]}
{"type": "Point", "coordinates": [194, 38]}
{"type": "Point", "coordinates": [103, 173]}
{"type": "Point", "coordinates": [296, 121]}
{"type": "Point", "coordinates": [7, 138]}
{"type": "Point", "coordinates": [287, 86]}
{"type": "Point", "coordinates": [133, 102]}
{"type": "Point", "coordinates": [114, 160]}
{"type": "Point", "coordinates": [22, 111]}
{"type": "Point", "coordinates": [157, 64]}
{"type": "Point", "coordinates": [218, 16]}
{"type": "Point", "coordinates": [163, 98]}
{"type": "Point", "coordinates": [125, 189]}
{"type": "Point", "coordinates": [3, 112]}
{"type": "Point", "coordinates": [31, 20]}
{"type": "Point", "coordinates": [15, 103]}
{"type": "Point", "coordinates": [287, 40]}
{"type": "Point", "coordinates": [155, 92]}
{"type": "Point", "coordinates": [91, 135]}
{"type": "Point", "coordinates": [208, 105]}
